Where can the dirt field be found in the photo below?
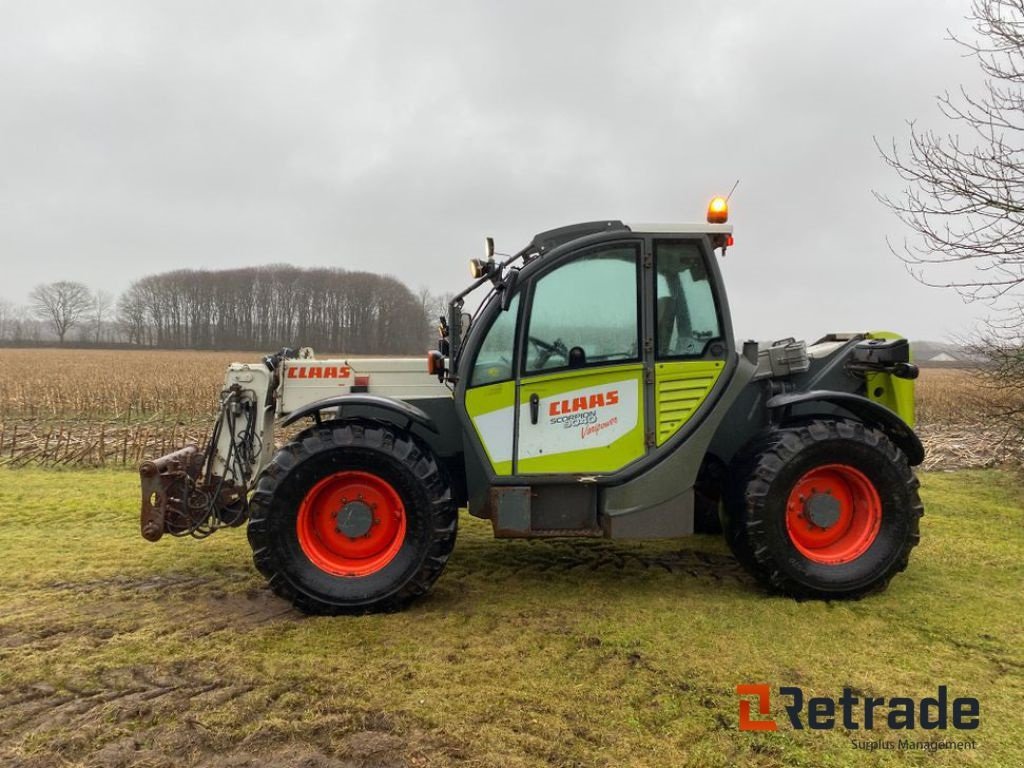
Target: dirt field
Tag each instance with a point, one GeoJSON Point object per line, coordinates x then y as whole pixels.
{"type": "Point", "coordinates": [117, 652]}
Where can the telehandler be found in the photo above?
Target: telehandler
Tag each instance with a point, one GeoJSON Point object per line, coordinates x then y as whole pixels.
{"type": "Point", "coordinates": [597, 391]}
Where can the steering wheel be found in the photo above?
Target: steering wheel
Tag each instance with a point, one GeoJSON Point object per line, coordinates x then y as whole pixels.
{"type": "Point", "coordinates": [547, 349]}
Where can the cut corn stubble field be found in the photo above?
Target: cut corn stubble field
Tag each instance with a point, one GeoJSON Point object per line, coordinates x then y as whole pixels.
{"type": "Point", "coordinates": [951, 421]}
{"type": "Point", "coordinates": [96, 408]}
{"type": "Point", "coordinates": [103, 407]}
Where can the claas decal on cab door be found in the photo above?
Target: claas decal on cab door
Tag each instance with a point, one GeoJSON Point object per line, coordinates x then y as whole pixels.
{"type": "Point", "coordinates": [599, 400]}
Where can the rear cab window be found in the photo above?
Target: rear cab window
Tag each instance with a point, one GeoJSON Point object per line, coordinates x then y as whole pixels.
{"type": "Point", "coordinates": [686, 309]}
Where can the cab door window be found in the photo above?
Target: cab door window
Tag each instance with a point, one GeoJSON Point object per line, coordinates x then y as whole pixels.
{"type": "Point", "coordinates": [686, 312]}
{"type": "Point", "coordinates": [584, 312]}
{"type": "Point", "coordinates": [494, 358]}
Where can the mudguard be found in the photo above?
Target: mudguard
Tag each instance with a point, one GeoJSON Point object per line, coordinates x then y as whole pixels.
{"type": "Point", "coordinates": [864, 409]}
{"type": "Point", "coordinates": [400, 408]}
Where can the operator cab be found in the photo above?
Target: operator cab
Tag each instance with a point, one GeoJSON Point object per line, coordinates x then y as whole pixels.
{"type": "Point", "coordinates": [589, 362]}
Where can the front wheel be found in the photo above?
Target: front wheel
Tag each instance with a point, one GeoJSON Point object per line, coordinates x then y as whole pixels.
{"type": "Point", "coordinates": [352, 517]}
{"type": "Point", "coordinates": [828, 509]}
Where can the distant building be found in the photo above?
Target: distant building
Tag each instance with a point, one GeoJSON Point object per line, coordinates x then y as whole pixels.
{"type": "Point", "coordinates": [943, 354]}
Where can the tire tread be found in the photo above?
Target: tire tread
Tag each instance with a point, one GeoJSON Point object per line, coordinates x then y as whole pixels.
{"type": "Point", "coordinates": [753, 482]}
{"type": "Point", "coordinates": [379, 437]}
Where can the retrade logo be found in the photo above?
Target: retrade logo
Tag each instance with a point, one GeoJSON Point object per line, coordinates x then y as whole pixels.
{"type": "Point", "coordinates": [763, 708]}
{"type": "Point", "coordinates": [824, 713]}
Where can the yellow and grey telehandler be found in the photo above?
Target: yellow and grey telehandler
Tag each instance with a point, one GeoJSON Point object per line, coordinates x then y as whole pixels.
{"type": "Point", "coordinates": [597, 391]}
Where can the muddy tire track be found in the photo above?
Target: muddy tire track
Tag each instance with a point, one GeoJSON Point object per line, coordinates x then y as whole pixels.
{"type": "Point", "coordinates": [578, 557]}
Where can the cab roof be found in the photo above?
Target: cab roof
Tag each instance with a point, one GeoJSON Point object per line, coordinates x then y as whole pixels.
{"type": "Point", "coordinates": [553, 238]}
{"type": "Point", "coordinates": [685, 228]}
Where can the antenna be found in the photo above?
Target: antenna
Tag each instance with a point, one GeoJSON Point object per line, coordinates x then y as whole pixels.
{"type": "Point", "coordinates": [732, 190]}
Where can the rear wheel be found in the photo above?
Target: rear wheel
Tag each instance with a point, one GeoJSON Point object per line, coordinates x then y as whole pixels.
{"type": "Point", "coordinates": [352, 517]}
{"type": "Point", "coordinates": [828, 509]}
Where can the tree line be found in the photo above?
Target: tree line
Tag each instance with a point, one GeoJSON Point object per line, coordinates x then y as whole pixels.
{"type": "Point", "coordinates": [260, 308]}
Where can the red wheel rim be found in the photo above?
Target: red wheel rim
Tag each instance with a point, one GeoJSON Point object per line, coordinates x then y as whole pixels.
{"type": "Point", "coordinates": [833, 514]}
{"type": "Point", "coordinates": [351, 524]}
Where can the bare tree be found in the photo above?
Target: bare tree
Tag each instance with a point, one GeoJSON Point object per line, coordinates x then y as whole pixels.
{"type": "Point", "coordinates": [963, 201]}
{"type": "Point", "coordinates": [963, 198]}
{"type": "Point", "coordinates": [999, 398]}
{"type": "Point", "coordinates": [62, 305]}
{"type": "Point", "coordinates": [434, 307]}
{"type": "Point", "coordinates": [426, 302]}
{"type": "Point", "coordinates": [24, 326]}
{"type": "Point", "coordinates": [269, 307]}
{"type": "Point", "coordinates": [131, 315]}
{"type": "Point", "coordinates": [102, 304]}
{"type": "Point", "coordinates": [6, 320]}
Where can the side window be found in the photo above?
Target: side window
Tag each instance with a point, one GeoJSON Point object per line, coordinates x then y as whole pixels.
{"type": "Point", "coordinates": [585, 312]}
{"type": "Point", "coordinates": [494, 359]}
{"type": "Point", "coordinates": [686, 315]}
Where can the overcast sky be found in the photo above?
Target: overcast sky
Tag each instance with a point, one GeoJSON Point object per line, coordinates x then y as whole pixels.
{"type": "Point", "coordinates": [138, 137]}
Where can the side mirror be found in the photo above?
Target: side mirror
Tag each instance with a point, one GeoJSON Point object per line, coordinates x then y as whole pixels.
{"type": "Point", "coordinates": [466, 320]}
{"type": "Point", "coordinates": [488, 248]}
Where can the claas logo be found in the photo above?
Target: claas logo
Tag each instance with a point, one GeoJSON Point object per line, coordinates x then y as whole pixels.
{"type": "Point", "coordinates": [567, 406]}
{"type": "Point", "coordinates": [319, 371]}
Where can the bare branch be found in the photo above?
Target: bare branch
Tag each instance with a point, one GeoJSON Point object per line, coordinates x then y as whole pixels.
{"type": "Point", "coordinates": [61, 305]}
{"type": "Point", "coordinates": [963, 198]}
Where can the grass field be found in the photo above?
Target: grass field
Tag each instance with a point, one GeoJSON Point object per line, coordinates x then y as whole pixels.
{"type": "Point", "coordinates": [117, 652]}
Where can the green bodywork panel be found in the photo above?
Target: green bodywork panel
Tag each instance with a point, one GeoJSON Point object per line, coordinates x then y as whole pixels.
{"type": "Point", "coordinates": [490, 409]}
{"type": "Point", "coordinates": [894, 393]}
{"type": "Point", "coordinates": [680, 388]}
{"type": "Point", "coordinates": [601, 407]}
{"type": "Point", "coordinates": [557, 443]}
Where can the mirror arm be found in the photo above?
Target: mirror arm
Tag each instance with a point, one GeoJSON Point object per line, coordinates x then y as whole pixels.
{"type": "Point", "coordinates": [508, 286]}
{"type": "Point", "coordinates": [454, 327]}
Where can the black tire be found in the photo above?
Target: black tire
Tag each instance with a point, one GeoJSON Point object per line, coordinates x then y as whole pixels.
{"type": "Point", "coordinates": [379, 449]}
{"type": "Point", "coordinates": [734, 501]}
{"type": "Point", "coordinates": [756, 509]}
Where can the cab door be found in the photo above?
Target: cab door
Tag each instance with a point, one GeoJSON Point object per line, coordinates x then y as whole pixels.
{"type": "Point", "coordinates": [580, 388]}
{"type": "Point", "coordinates": [490, 397]}
{"type": "Point", "coordinates": [690, 337]}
